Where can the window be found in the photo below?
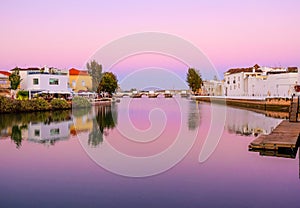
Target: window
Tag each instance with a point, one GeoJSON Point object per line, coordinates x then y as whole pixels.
{"type": "Point", "coordinates": [36, 132]}
{"type": "Point", "coordinates": [73, 83]}
{"type": "Point", "coordinates": [54, 132]}
{"type": "Point", "coordinates": [83, 83]}
{"type": "Point", "coordinates": [238, 78]}
{"type": "Point", "coordinates": [53, 81]}
{"type": "Point", "coordinates": [35, 81]}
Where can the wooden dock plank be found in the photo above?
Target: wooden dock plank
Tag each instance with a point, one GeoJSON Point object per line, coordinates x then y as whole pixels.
{"type": "Point", "coordinates": [285, 135]}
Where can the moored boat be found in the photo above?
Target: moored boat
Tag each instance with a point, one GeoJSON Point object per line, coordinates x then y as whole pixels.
{"type": "Point", "coordinates": [152, 94]}
{"type": "Point", "coordinates": [101, 101]}
{"type": "Point", "coordinates": [168, 94]}
{"type": "Point", "coordinates": [184, 94]}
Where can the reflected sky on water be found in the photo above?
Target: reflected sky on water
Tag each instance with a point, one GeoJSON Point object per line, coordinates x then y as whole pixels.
{"type": "Point", "coordinates": [43, 161]}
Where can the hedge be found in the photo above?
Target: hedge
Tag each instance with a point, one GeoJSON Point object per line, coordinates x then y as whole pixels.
{"type": "Point", "coordinates": [80, 102]}
{"type": "Point", "coordinates": [59, 104]}
{"type": "Point", "coordinates": [8, 105]}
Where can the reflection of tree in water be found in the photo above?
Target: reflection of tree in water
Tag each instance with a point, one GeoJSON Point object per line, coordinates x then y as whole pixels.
{"type": "Point", "coordinates": [16, 136]}
{"type": "Point", "coordinates": [194, 115]}
{"type": "Point", "coordinates": [105, 119]}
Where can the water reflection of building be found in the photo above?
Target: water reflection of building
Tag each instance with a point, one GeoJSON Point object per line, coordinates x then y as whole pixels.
{"type": "Point", "coordinates": [97, 121]}
{"type": "Point", "coordinates": [82, 120]}
{"type": "Point", "coordinates": [245, 122]}
{"type": "Point", "coordinates": [193, 115]}
{"type": "Point", "coordinates": [48, 133]}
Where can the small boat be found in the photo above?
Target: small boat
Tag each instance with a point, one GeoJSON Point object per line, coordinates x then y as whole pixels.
{"type": "Point", "coordinates": [184, 94]}
{"type": "Point", "coordinates": [101, 101]}
{"type": "Point", "coordinates": [152, 94]}
{"type": "Point", "coordinates": [168, 94]}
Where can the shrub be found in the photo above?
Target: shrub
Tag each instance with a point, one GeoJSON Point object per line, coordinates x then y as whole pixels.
{"type": "Point", "coordinates": [8, 105]}
{"type": "Point", "coordinates": [35, 105]}
{"type": "Point", "coordinates": [23, 95]}
{"type": "Point", "coordinates": [59, 104]}
{"type": "Point", "coordinates": [80, 102]}
{"type": "Point", "coordinates": [40, 104]}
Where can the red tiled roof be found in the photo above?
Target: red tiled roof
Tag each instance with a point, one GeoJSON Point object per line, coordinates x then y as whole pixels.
{"type": "Point", "coordinates": [6, 73]}
{"type": "Point", "coordinates": [74, 71]}
{"type": "Point", "coordinates": [239, 70]}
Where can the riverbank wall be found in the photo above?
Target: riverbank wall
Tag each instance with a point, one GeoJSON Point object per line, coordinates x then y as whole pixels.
{"type": "Point", "coordinates": [276, 104]}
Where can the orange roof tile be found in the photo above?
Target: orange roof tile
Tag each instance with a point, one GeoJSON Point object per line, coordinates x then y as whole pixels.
{"type": "Point", "coordinates": [74, 71]}
{"type": "Point", "coordinates": [5, 73]}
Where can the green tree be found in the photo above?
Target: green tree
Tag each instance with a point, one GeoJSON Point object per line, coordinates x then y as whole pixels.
{"type": "Point", "coordinates": [193, 79]}
{"type": "Point", "coordinates": [95, 71]}
{"type": "Point", "coordinates": [108, 83]}
{"type": "Point", "coordinates": [15, 79]}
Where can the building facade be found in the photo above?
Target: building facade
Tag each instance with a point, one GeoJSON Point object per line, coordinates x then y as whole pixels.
{"type": "Point", "coordinates": [80, 80]}
{"type": "Point", "coordinates": [260, 81]}
{"type": "Point", "coordinates": [51, 80]}
{"type": "Point", "coordinates": [4, 83]}
{"type": "Point", "coordinates": [212, 88]}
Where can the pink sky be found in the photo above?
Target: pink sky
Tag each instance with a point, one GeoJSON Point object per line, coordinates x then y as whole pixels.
{"type": "Point", "coordinates": [231, 33]}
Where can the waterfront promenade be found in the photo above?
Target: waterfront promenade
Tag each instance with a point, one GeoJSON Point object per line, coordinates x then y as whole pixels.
{"type": "Point", "coordinates": [259, 103]}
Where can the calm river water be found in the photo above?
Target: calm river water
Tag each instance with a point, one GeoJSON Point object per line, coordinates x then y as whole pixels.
{"type": "Point", "coordinates": [143, 153]}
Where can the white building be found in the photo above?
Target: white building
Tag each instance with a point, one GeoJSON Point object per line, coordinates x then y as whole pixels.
{"type": "Point", "coordinates": [260, 81]}
{"type": "Point", "coordinates": [44, 79]}
{"type": "Point", "coordinates": [212, 88]}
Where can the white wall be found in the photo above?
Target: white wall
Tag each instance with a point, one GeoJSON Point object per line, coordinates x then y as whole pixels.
{"type": "Point", "coordinates": [234, 84]}
{"type": "Point", "coordinates": [23, 76]}
{"type": "Point", "coordinates": [44, 82]}
{"type": "Point", "coordinates": [213, 87]}
{"type": "Point", "coordinates": [281, 85]}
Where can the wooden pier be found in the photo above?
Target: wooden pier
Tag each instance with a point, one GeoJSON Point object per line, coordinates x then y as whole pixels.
{"type": "Point", "coordinates": [285, 135]}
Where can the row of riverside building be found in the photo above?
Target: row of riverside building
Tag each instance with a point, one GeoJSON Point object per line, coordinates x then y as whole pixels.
{"type": "Point", "coordinates": [48, 79]}
{"type": "Point", "coordinates": [254, 81]}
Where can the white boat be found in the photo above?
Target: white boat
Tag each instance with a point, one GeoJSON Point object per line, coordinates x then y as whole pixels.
{"type": "Point", "coordinates": [184, 93]}
{"type": "Point", "coordinates": [168, 94]}
{"type": "Point", "coordinates": [152, 94]}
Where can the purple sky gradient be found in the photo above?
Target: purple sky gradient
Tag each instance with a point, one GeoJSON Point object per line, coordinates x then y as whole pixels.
{"type": "Point", "coordinates": [231, 33]}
